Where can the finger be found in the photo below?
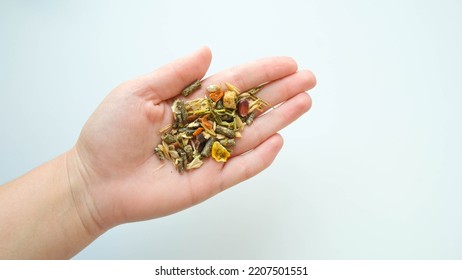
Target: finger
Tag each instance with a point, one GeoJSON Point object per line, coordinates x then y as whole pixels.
{"type": "Point", "coordinates": [286, 88]}
{"type": "Point", "coordinates": [245, 166]}
{"type": "Point", "coordinates": [169, 80]}
{"type": "Point", "coordinates": [270, 123]}
{"type": "Point", "coordinates": [252, 74]}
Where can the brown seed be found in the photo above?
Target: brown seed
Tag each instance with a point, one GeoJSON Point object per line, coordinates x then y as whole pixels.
{"type": "Point", "coordinates": [243, 108]}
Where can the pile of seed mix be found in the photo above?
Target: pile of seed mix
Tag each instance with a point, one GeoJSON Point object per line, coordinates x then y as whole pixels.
{"type": "Point", "coordinates": [207, 126]}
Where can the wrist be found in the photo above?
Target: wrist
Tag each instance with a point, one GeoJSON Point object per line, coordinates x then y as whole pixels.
{"type": "Point", "coordinates": [79, 184]}
{"type": "Point", "coordinates": [44, 215]}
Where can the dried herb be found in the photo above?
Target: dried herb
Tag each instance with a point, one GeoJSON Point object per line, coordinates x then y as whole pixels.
{"type": "Point", "coordinates": [207, 127]}
{"type": "Point", "coordinates": [250, 118]}
{"type": "Point", "coordinates": [207, 148]}
{"type": "Point", "coordinates": [225, 131]}
{"type": "Point", "coordinates": [191, 88]}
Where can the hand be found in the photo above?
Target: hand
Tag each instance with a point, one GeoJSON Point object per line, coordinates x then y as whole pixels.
{"type": "Point", "coordinates": [115, 177]}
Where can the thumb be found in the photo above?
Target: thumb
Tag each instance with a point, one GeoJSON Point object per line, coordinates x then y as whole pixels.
{"type": "Point", "coordinates": [168, 81]}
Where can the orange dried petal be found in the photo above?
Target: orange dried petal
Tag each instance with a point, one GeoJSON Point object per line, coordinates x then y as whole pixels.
{"type": "Point", "coordinates": [217, 95]}
{"type": "Point", "coordinates": [206, 123]}
{"type": "Point", "coordinates": [198, 130]}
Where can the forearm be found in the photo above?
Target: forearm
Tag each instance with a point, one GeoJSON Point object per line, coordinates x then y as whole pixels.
{"type": "Point", "coordinates": [39, 217]}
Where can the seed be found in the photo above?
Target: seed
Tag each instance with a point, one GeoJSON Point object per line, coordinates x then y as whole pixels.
{"type": "Point", "coordinates": [243, 107]}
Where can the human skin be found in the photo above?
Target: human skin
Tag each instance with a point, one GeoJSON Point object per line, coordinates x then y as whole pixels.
{"type": "Point", "coordinates": [111, 176]}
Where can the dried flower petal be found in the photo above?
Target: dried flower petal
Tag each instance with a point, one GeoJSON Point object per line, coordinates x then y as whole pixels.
{"type": "Point", "coordinates": [215, 96]}
{"type": "Point", "coordinates": [206, 123]}
{"type": "Point", "coordinates": [215, 92]}
{"type": "Point", "coordinates": [198, 130]}
{"type": "Point", "coordinates": [219, 153]}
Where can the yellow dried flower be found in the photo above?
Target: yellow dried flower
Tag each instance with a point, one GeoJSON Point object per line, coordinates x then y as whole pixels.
{"type": "Point", "coordinates": [219, 153]}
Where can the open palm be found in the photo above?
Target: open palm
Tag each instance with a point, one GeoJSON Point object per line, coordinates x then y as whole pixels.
{"type": "Point", "coordinates": [121, 177]}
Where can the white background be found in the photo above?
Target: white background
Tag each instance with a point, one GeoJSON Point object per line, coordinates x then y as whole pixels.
{"type": "Point", "coordinates": [373, 171]}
